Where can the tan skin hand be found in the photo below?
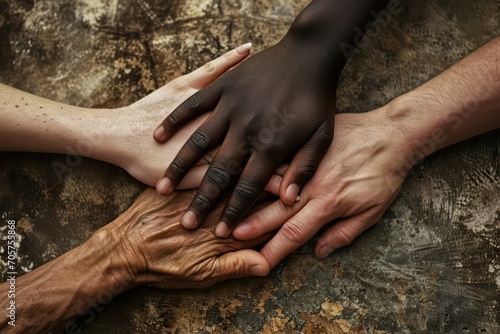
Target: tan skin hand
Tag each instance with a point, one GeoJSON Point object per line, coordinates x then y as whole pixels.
{"type": "Point", "coordinates": [161, 253]}
{"type": "Point", "coordinates": [358, 179]}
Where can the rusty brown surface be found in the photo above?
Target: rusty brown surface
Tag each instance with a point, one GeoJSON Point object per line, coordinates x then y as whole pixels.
{"type": "Point", "coordinates": [431, 265]}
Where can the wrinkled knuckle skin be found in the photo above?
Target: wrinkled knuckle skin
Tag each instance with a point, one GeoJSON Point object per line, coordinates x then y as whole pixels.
{"type": "Point", "coordinates": [177, 167]}
{"type": "Point", "coordinates": [193, 103]}
{"type": "Point", "coordinates": [218, 176]}
{"type": "Point", "coordinates": [232, 213]}
{"type": "Point", "coordinates": [238, 268]}
{"type": "Point", "coordinates": [210, 66]}
{"type": "Point", "coordinates": [285, 209]}
{"type": "Point", "coordinates": [343, 238]}
{"type": "Point", "coordinates": [199, 141]}
{"type": "Point", "coordinates": [172, 119]}
{"type": "Point", "coordinates": [292, 232]}
{"type": "Point", "coordinates": [245, 191]}
{"type": "Point", "coordinates": [201, 202]}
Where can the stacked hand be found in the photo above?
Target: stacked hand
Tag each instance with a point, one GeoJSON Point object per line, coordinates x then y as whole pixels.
{"type": "Point", "coordinates": [132, 147]}
{"type": "Point", "coordinates": [159, 252]}
{"type": "Point", "coordinates": [272, 107]}
{"type": "Point", "coordinates": [356, 182]}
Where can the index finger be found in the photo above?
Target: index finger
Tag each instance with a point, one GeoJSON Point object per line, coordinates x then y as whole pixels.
{"type": "Point", "coordinates": [254, 178]}
{"type": "Point", "coordinates": [294, 233]}
{"type": "Point", "coordinates": [203, 100]}
{"type": "Point", "coordinates": [206, 74]}
{"type": "Point", "coordinates": [266, 220]}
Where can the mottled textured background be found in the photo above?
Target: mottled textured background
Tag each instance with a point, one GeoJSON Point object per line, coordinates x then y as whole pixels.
{"type": "Point", "coordinates": [431, 265]}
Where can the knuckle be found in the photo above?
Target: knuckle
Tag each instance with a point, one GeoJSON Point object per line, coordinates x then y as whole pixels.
{"type": "Point", "coordinates": [177, 167]}
{"type": "Point", "coordinates": [272, 252]}
{"type": "Point", "coordinates": [326, 205]}
{"type": "Point", "coordinates": [172, 119]}
{"type": "Point", "coordinates": [229, 56]}
{"type": "Point", "coordinates": [285, 209]}
{"type": "Point", "coordinates": [237, 268]}
{"type": "Point", "coordinates": [199, 140]}
{"type": "Point", "coordinates": [218, 176]}
{"type": "Point", "coordinates": [193, 102]}
{"type": "Point", "coordinates": [343, 238]}
{"type": "Point", "coordinates": [232, 213]}
{"type": "Point", "coordinates": [245, 191]}
{"type": "Point", "coordinates": [210, 66]}
{"type": "Point", "coordinates": [201, 202]}
{"type": "Point", "coordinates": [293, 232]}
{"type": "Point", "coordinates": [206, 277]}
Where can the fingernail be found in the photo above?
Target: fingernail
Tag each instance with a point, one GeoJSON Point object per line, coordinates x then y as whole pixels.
{"type": "Point", "coordinates": [221, 230]}
{"type": "Point", "coordinates": [189, 220]}
{"type": "Point", "coordinates": [257, 270]}
{"type": "Point", "coordinates": [297, 198]}
{"type": "Point", "coordinates": [242, 49]}
{"type": "Point", "coordinates": [242, 228]}
{"type": "Point", "coordinates": [291, 192]}
{"type": "Point", "coordinates": [159, 133]}
{"type": "Point", "coordinates": [325, 251]}
{"type": "Point", "coordinates": [163, 186]}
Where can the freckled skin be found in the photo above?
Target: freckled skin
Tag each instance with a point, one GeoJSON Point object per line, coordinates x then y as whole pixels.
{"type": "Point", "coordinates": [94, 132]}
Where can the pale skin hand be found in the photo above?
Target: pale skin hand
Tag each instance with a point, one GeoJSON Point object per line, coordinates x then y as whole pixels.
{"type": "Point", "coordinates": [119, 136]}
{"type": "Point", "coordinates": [364, 168]}
{"type": "Point", "coordinates": [145, 245]}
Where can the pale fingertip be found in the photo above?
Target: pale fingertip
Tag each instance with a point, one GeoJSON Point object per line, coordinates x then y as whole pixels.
{"type": "Point", "coordinates": [324, 251]}
{"type": "Point", "coordinates": [159, 134]}
{"type": "Point", "coordinates": [164, 186]}
{"type": "Point", "coordinates": [291, 193]}
{"type": "Point", "coordinates": [242, 228]}
{"type": "Point", "coordinates": [221, 231]}
{"type": "Point", "coordinates": [188, 221]}
{"type": "Point", "coordinates": [243, 49]}
{"type": "Point", "coordinates": [297, 198]}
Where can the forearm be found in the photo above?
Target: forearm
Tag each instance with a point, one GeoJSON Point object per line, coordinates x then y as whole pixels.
{"type": "Point", "coordinates": [34, 124]}
{"type": "Point", "coordinates": [49, 298]}
{"type": "Point", "coordinates": [460, 103]}
{"type": "Point", "coordinates": [331, 29]}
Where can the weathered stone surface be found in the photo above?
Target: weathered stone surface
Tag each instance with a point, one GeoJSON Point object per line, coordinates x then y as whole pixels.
{"type": "Point", "coordinates": [431, 265]}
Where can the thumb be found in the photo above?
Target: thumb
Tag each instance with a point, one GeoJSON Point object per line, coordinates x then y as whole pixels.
{"type": "Point", "coordinates": [240, 264]}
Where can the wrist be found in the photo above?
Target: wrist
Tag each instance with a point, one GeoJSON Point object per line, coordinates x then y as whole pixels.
{"type": "Point", "coordinates": [331, 29]}
{"type": "Point", "coordinates": [111, 261]}
{"type": "Point", "coordinates": [312, 37]}
{"type": "Point", "coordinates": [418, 134]}
{"type": "Point", "coordinates": [51, 296]}
{"type": "Point", "coordinates": [96, 138]}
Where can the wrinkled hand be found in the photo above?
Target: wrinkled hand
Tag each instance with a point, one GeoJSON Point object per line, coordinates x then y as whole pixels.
{"type": "Point", "coordinates": [161, 253]}
{"type": "Point", "coordinates": [357, 180]}
{"type": "Point", "coordinates": [276, 105]}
